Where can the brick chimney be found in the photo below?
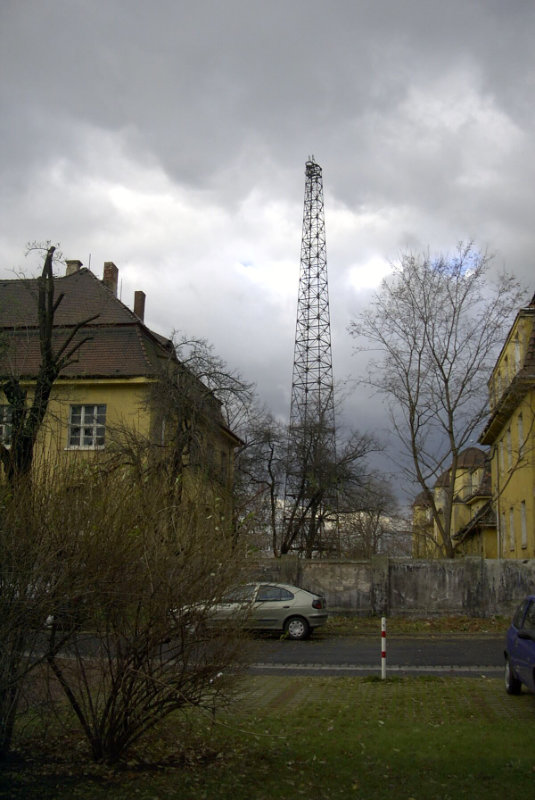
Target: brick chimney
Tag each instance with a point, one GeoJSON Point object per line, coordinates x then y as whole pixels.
{"type": "Point", "coordinates": [139, 305]}
{"type": "Point", "coordinates": [110, 277]}
{"type": "Point", "coordinates": [73, 266]}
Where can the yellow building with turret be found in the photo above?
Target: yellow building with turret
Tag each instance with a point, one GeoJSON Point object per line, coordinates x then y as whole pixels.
{"type": "Point", "coordinates": [510, 433]}
{"type": "Point", "coordinates": [473, 524]}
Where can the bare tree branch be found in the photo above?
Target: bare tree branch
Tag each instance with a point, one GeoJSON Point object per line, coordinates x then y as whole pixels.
{"type": "Point", "coordinates": [437, 323]}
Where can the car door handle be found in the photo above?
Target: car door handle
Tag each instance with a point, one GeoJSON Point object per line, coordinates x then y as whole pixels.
{"type": "Point", "coordinates": [286, 606]}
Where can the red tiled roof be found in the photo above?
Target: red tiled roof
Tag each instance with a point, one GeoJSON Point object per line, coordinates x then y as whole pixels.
{"type": "Point", "coordinates": [84, 295]}
{"type": "Point", "coordinates": [421, 501]}
{"type": "Point", "coordinates": [118, 351]}
{"type": "Point", "coordinates": [120, 344]}
{"type": "Point", "coordinates": [471, 457]}
{"type": "Point", "coordinates": [468, 458]}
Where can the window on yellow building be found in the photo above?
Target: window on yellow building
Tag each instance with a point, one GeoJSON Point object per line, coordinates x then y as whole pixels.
{"type": "Point", "coordinates": [511, 529]}
{"type": "Point", "coordinates": [500, 455]}
{"type": "Point", "coordinates": [520, 430]}
{"type": "Point", "coordinates": [6, 429]}
{"type": "Point", "coordinates": [87, 426]}
{"type": "Point", "coordinates": [509, 449]}
{"type": "Point", "coordinates": [517, 353]}
{"type": "Point", "coordinates": [524, 527]}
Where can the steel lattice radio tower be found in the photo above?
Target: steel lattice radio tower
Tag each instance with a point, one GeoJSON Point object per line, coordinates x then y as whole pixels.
{"type": "Point", "coordinates": [310, 494]}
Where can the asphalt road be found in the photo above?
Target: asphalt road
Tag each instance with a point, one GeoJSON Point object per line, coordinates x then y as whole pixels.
{"type": "Point", "coordinates": [359, 655]}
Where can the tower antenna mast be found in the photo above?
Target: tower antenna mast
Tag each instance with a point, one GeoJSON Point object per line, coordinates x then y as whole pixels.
{"type": "Point", "coordinates": [310, 503]}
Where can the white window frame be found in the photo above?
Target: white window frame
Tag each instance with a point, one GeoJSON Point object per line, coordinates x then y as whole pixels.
{"type": "Point", "coordinates": [87, 426]}
{"type": "Point", "coordinates": [520, 431]}
{"type": "Point", "coordinates": [511, 529]}
{"type": "Point", "coordinates": [501, 460]}
{"type": "Point", "coordinates": [503, 532]}
{"type": "Point", "coordinates": [523, 524]}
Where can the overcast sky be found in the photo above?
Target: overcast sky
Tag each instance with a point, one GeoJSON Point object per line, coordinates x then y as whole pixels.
{"type": "Point", "coordinates": [171, 137]}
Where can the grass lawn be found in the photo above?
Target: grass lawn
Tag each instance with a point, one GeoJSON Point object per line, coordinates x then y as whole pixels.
{"type": "Point", "coordinates": [420, 737]}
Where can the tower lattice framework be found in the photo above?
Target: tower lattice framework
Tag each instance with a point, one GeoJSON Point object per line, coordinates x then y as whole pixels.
{"type": "Point", "coordinates": [310, 492]}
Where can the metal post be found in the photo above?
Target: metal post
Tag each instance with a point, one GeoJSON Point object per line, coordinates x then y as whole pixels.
{"type": "Point", "coordinates": [383, 648]}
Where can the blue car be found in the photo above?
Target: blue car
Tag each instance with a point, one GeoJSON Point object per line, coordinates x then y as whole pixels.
{"type": "Point", "coordinates": [520, 649]}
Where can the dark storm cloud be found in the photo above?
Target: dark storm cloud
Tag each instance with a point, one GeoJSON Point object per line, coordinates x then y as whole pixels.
{"type": "Point", "coordinates": [171, 138]}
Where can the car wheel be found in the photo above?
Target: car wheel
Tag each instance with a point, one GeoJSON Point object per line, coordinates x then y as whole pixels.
{"type": "Point", "coordinates": [512, 684]}
{"type": "Point", "coordinates": [297, 628]}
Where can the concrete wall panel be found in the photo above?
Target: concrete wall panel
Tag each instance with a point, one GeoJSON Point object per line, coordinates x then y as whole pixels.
{"type": "Point", "coordinates": [409, 587]}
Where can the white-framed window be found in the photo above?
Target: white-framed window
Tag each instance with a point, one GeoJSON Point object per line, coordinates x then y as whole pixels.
{"type": "Point", "coordinates": [520, 431]}
{"type": "Point", "coordinates": [6, 428]}
{"type": "Point", "coordinates": [87, 427]}
{"type": "Point", "coordinates": [511, 529]}
{"type": "Point", "coordinates": [523, 524]}
{"type": "Point", "coordinates": [502, 533]}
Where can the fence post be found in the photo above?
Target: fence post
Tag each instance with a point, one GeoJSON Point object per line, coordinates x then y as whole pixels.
{"type": "Point", "coordinates": [383, 648]}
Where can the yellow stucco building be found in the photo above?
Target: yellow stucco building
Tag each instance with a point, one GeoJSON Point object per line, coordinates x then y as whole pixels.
{"type": "Point", "coordinates": [111, 386]}
{"type": "Point", "coordinates": [510, 433]}
{"type": "Point", "coordinates": [473, 522]}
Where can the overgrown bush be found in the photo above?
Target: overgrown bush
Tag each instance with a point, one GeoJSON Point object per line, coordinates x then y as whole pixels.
{"type": "Point", "coordinates": [128, 583]}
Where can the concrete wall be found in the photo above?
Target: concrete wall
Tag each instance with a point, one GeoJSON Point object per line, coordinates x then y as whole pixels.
{"type": "Point", "coordinates": [408, 587]}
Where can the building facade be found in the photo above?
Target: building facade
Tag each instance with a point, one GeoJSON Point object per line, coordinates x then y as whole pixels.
{"type": "Point", "coordinates": [115, 383]}
{"type": "Point", "coordinates": [473, 525]}
{"type": "Point", "coordinates": [510, 434]}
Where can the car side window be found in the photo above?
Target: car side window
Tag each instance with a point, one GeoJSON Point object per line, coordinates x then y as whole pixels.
{"type": "Point", "coordinates": [519, 615]}
{"type": "Point", "coordinates": [268, 593]}
{"type": "Point", "coordinates": [529, 620]}
{"type": "Point", "coordinates": [243, 594]}
{"type": "Point", "coordinates": [286, 595]}
{"type": "Point", "coordinates": [272, 593]}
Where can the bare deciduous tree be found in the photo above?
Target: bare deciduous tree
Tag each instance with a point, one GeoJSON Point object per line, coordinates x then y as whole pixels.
{"type": "Point", "coordinates": [437, 324]}
{"type": "Point", "coordinates": [373, 525]}
{"type": "Point", "coordinates": [23, 555]}
{"type": "Point", "coordinates": [28, 557]}
{"type": "Point", "coordinates": [259, 481]}
{"type": "Point", "coordinates": [326, 480]}
{"type": "Point", "coordinates": [144, 577]}
{"type": "Point", "coordinates": [306, 518]}
{"type": "Point", "coordinates": [28, 413]}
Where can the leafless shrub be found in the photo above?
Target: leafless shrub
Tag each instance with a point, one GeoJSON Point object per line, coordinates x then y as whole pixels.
{"type": "Point", "coordinates": [143, 578]}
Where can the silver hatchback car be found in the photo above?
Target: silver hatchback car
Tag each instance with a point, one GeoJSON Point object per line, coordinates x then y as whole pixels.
{"type": "Point", "coordinates": [274, 606]}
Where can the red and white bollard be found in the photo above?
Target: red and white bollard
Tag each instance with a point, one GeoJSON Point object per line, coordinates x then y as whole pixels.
{"type": "Point", "coordinates": [383, 648]}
